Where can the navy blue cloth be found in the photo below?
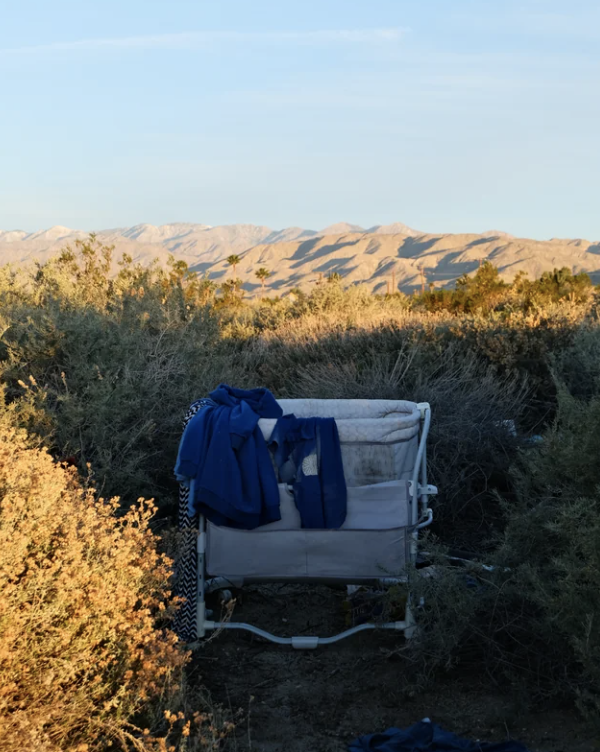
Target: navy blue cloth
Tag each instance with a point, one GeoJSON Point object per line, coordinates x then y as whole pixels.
{"type": "Point", "coordinates": [307, 453]}
{"type": "Point", "coordinates": [426, 737]}
{"type": "Point", "coordinates": [224, 458]}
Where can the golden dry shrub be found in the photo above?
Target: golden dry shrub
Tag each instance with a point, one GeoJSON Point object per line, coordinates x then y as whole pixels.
{"type": "Point", "coordinates": [81, 590]}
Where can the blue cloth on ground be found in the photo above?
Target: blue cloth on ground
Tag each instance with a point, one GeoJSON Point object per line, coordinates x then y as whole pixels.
{"type": "Point", "coordinates": [224, 458]}
{"type": "Point", "coordinates": [307, 453]}
{"type": "Point", "coordinates": [426, 737]}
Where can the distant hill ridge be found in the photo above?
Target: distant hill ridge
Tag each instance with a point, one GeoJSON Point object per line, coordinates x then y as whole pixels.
{"type": "Point", "coordinates": [298, 257]}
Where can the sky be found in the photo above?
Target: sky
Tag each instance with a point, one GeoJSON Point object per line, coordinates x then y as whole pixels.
{"type": "Point", "coordinates": [449, 116]}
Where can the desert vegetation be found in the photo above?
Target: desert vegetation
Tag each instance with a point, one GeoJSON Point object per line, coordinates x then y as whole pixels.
{"type": "Point", "coordinates": [97, 370]}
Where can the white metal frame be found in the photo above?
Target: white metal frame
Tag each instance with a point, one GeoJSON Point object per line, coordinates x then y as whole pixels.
{"type": "Point", "coordinates": [421, 517]}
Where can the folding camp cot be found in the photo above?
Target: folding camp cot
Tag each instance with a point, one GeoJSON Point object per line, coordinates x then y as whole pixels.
{"type": "Point", "coordinates": [383, 446]}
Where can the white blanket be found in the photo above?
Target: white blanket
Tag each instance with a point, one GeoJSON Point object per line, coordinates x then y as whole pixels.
{"type": "Point", "coordinates": [358, 421]}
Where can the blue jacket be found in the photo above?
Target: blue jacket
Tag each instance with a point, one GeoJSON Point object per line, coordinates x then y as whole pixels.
{"type": "Point", "coordinates": [427, 737]}
{"type": "Point", "coordinates": [307, 453]}
{"type": "Point", "coordinates": [224, 458]}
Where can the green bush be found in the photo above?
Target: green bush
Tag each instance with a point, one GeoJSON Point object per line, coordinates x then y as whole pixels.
{"type": "Point", "coordinates": [485, 292]}
{"type": "Point", "coordinates": [103, 370]}
{"type": "Point", "coordinates": [534, 620]}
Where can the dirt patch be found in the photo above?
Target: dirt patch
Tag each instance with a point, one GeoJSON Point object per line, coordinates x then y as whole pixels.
{"type": "Point", "coordinates": [317, 701]}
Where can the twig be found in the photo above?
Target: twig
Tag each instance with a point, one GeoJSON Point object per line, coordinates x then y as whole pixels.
{"type": "Point", "coordinates": [249, 712]}
{"type": "Point", "coordinates": [231, 711]}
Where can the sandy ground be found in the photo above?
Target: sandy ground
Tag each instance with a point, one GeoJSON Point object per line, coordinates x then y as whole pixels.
{"type": "Point", "coordinates": [318, 701]}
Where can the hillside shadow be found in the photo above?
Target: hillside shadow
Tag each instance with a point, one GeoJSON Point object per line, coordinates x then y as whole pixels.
{"type": "Point", "coordinates": [505, 267]}
{"type": "Point", "coordinates": [294, 279]}
{"type": "Point", "coordinates": [334, 265]}
{"type": "Point", "coordinates": [387, 265]}
{"type": "Point", "coordinates": [173, 245]}
{"type": "Point", "coordinates": [373, 247]}
{"type": "Point", "coordinates": [201, 266]}
{"type": "Point", "coordinates": [447, 270]}
{"type": "Point", "coordinates": [275, 237]}
{"type": "Point", "coordinates": [412, 247]}
{"type": "Point", "coordinates": [323, 251]}
{"type": "Point", "coordinates": [450, 269]}
{"type": "Point", "coordinates": [304, 248]}
{"type": "Point", "coordinates": [482, 241]}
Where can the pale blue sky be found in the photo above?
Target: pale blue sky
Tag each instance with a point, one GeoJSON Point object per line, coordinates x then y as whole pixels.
{"type": "Point", "coordinates": [448, 115]}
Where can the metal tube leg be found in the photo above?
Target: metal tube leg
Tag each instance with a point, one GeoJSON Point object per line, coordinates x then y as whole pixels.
{"type": "Point", "coordinates": [411, 629]}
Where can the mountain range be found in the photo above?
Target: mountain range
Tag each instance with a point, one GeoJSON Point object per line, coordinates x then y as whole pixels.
{"type": "Point", "coordinates": [297, 257]}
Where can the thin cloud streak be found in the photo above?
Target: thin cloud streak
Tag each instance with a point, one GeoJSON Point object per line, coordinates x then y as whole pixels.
{"type": "Point", "coordinates": [200, 39]}
{"type": "Point", "coordinates": [583, 25]}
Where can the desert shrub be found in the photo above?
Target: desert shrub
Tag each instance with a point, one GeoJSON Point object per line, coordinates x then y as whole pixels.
{"type": "Point", "coordinates": [485, 292]}
{"type": "Point", "coordinates": [333, 297]}
{"type": "Point", "coordinates": [105, 378]}
{"type": "Point", "coordinates": [113, 391]}
{"type": "Point", "coordinates": [533, 619]}
{"type": "Point", "coordinates": [326, 297]}
{"type": "Point", "coordinates": [232, 294]}
{"type": "Point", "coordinates": [448, 606]}
{"type": "Point", "coordinates": [83, 594]}
{"type": "Point", "coordinates": [577, 365]}
{"type": "Point", "coordinates": [330, 299]}
{"type": "Point", "coordinates": [271, 314]}
{"type": "Point", "coordinates": [551, 287]}
{"type": "Point", "coordinates": [521, 346]}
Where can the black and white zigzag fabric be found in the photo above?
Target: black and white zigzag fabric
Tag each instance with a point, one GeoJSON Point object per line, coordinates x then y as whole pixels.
{"type": "Point", "coordinates": [187, 559]}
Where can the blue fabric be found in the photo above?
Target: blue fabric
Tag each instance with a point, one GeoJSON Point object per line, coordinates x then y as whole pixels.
{"type": "Point", "coordinates": [426, 737]}
{"type": "Point", "coordinates": [224, 458]}
{"type": "Point", "coordinates": [320, 495]}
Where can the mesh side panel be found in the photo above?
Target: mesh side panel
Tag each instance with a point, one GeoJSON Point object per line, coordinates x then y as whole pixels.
{"type": "Point", "coordinates": [365, 464]}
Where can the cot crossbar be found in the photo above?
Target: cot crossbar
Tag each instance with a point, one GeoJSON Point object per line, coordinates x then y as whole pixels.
{"type": "Point", "coordinates": [305, 642]}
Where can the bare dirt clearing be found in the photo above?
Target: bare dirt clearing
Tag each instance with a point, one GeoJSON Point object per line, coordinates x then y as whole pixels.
{"type": "Point", "coordinates": [317, 701]}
